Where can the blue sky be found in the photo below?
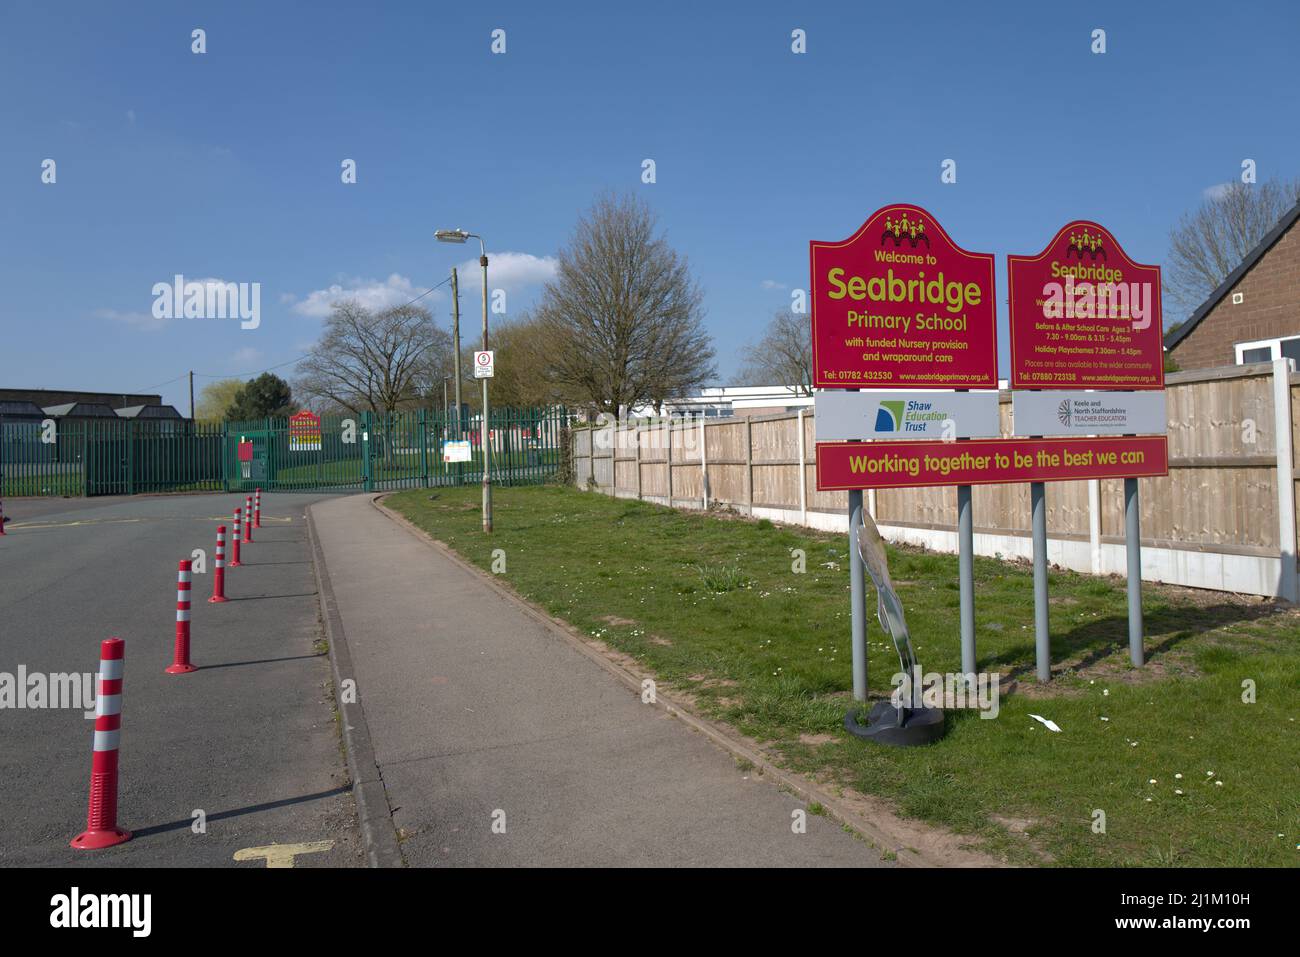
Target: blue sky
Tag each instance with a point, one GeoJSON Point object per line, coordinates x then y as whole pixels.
{"type": "Point", "coordinates": [227, 164]}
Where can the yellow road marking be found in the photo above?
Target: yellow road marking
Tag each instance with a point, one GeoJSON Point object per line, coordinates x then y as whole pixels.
{"type": "Point", "coordinates": [282, 855]}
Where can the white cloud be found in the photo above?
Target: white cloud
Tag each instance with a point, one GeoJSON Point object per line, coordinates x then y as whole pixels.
{"type": "Point", "coordinates": [246, 355]}
{"type": "Point", "coordinates": [1217, 191]}
{"type": "Point", "coordinates": [510, 271]}
{"type": "Point", "coordinates": [773, 284]}
{"type": "Point", "coordinates": [372, 294]}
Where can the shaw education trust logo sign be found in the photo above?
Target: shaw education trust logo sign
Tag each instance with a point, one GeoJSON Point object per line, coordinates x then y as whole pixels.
{"type": "Point", "coordinates": [890, 416]}
{"type": "Point", "coordinates": [899, 305]}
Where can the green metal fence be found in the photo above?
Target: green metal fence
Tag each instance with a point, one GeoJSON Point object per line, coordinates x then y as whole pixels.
{"type": "Point", "coordinates": [369, 451]}
{"type": "Point", "coordinates": [109, 456]}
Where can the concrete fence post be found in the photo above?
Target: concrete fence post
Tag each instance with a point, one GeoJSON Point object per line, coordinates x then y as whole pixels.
{"type": "Point", "coordinates": [670, 461]}
{"type": "Point", "coordinates": [1094, 523]}
{"type": "Point", "coordinates": [1288, 586]}
{"type": "Point", "coordinates": [704, 466]}
{"type": "Point", "coordinates": [636, 440]}
{"type": "Point", "coordinates": [749, 466]}
{"type": "Point", "coordinates": [803, 471]}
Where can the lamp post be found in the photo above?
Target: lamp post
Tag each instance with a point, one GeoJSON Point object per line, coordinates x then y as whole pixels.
{"type": "Point", "coordinates": [460, 236]}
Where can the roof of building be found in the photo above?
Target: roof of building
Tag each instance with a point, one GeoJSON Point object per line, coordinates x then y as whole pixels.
{"type": "Point", "coordinates": [44, 397]}
{"type": "Point", "coordinates": [149, 412]}
{"type": "Point", "coordinates": [1252, 257]}
{"type": "Point", "coordinates": [81, 409]}
{"type": "Point", "coordinates": [14, 408]}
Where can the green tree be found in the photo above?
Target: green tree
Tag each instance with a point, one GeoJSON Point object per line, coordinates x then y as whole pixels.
{"type": "Point", "coordinates": [267, 395]}
{"type": "Point", "coordinates": [216, 398]}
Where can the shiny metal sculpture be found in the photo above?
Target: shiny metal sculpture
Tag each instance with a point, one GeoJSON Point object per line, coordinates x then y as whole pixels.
{"type": "Point", "coordinates": [908, 722]}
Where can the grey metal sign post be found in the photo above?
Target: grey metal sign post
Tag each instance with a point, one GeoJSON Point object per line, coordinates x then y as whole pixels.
{"type": "Point", "coordinates": [1133, 543]}
{"type": "Point", "coordinates": [1042, 639]}
{"type": "Point", "coordinates": [966, 579]}
{"type": "Point", "coordinates": [857, 599]}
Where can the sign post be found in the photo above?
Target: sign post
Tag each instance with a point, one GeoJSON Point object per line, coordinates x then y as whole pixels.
{"type": "Point", "coordinates": [1086, 316]}
{"type": "Point", "coordinates": [484, 364]}
{"type": "Point", "coordinates": [900, 306]}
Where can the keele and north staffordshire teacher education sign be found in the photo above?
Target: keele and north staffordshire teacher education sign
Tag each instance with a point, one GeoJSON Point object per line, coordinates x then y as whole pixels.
{"type": "Point", "coordinates": [899, 305]}
{"type": "Point", "coordinates": [1084, 316]}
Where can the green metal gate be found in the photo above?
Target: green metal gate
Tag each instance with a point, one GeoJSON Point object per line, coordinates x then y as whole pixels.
{"type": "Point", "coordinates": [109, 456]}
{"type": "Point", "coordinates": [369, 451]}
{"type": "Point", "coordinates": [381, 452]}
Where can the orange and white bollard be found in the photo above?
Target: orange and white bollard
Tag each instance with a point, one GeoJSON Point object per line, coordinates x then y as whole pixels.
{"type": "Point", "coordinates": [181, 657]}
{"type": "Point", "coordinates": [257, 509]}
{"type": "Point", "coordinates": [219, 569]}
{"type": "Point", "coordinates": [234, 542]}
{"type": "Point", "coordinates": [248, 520]}
{"type": "Point", "coordinates": [101, 816]}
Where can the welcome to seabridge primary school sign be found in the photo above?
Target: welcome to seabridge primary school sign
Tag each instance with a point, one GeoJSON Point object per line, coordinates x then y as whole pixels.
{"type": "Point", "coordinates": [900, 306]}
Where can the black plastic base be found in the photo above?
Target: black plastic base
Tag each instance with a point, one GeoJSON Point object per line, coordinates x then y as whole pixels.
{"type": "Point", "coordinates": [922, 726]}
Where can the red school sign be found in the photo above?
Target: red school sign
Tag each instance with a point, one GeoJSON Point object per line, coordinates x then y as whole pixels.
{"type": "Point", "coordinates": [900, 305]}
{"type": "Point", "coordinates": [1084, 315]}
{"type": "Point", "coordinates": [912, 464]}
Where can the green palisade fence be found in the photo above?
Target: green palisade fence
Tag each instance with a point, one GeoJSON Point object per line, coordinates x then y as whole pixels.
{"type": "Point", "coordinates": [363, 452]}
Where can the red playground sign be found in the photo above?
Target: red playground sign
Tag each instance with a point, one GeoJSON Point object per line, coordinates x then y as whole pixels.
{"type": "Point", "coordinates": [854, 465]}
{"type": "Point", "coordinates": [899, 305]}
{"type": "Point", "coordinates": [1084, 315]}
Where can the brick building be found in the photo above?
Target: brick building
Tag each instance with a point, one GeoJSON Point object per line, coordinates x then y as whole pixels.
{"type": "Point", "coordinates": [1254, 316]}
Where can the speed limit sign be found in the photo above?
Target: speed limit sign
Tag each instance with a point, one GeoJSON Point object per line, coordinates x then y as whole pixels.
{"type": "Point", "coordinates": [483, 364]}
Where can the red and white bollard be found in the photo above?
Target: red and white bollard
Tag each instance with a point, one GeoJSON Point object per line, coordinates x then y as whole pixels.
{"type": "Point", "coordinates": [181, 658]}
{"type": "Point", "coordinates": [257, 509]}
{"type": "Point", "coordinates": [234, 542]}
{"type": "Point", "coordinates": [101, 817]}
{"type": "Point", "coordinates": [219, 570]}
{"type": "Point", "coordinates": [248, 520]}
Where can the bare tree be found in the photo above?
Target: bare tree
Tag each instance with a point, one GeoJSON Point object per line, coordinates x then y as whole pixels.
{"type": "Point", "coordinates": [524, 373]}
{"type": "Point", "coordinates": [621, 322]}
{"type": "Point", "coordinates": [1211, 242]}
{"type": "Point", "coordinates": [378, 362]}
{"type": "Point", "coordinates": [783, 356]}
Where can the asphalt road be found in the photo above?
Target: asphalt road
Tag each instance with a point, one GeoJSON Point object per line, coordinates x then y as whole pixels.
{"type": "Point", "coordinates": [249, 739]}
{"type": "Point", "coordinates": [480, 716]}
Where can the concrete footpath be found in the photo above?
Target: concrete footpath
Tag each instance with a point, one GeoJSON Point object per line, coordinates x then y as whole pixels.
{"type": "Point", "coordinates": [500, 744]}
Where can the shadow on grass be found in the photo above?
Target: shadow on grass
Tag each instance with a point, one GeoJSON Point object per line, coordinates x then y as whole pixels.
{"type": "Point", "coordinates": [1166, 627]}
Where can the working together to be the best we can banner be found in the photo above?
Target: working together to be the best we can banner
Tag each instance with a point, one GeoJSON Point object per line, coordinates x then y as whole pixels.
{"type": "Point", "coordinates": [900, 305]}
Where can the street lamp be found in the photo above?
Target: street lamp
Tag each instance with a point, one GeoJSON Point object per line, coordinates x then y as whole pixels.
{"type": "Point", "coordinates": [459, 236]}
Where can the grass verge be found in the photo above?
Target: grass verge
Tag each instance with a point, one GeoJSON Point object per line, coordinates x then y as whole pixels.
{"type": "Point", "coordinates": [1185, 772]}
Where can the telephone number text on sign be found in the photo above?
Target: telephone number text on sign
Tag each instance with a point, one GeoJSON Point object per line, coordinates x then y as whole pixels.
{"type": "Point", "coordinates": [859, 465]}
